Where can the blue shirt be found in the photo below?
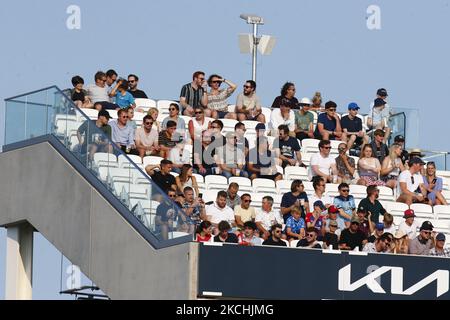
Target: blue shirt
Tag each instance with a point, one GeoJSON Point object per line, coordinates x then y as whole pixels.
{"type": "Point", "coordinates": [124, 101]}
{"type": "Point", "coordinates": [295, 225]}
{"type": "Point", "coordinates": [346, 204]}
{"type": "Point", "coordinates": [329, 125]}
{"type": "Point", "coordinates": [123, 136]}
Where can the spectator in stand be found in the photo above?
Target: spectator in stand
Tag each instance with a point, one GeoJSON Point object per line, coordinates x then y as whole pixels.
{"type": "Point", "coordinates": [365, 225]}
{"type": "Point", "coordinates": [90, 140]}
{"type": "Point", "coordinates": [217, 99]}
{"type": "Point", "coordinates": [328, 123]}
{"type": "Point", "coordinates": [243, 212]}
{"type": "Point", "coordinates": [352, 237]}
{"type": "Point", "coordinates": [131, 123]}
{"type": "Point", "coordinates": [162, 178]}
{"type": "Point", "coordinates": [146, 138]}
{"type": "Point", "coordinates": [369, 168]}
{"type": "Point", "coordinates": [333, 216]}
{"type": "Point", "coordinates": [123, 135]}
{"type": "Point", "coordinates": [180, 156]}
{"type": "Point", "coordinates": [197, 125]}
{"type": "Point", "coordinates": [400, 140]}
{"type": "Point", "coordinates": [266, 217]}
{"type": "Point", "coordinates": [98, 92]}
{"type": "Point", "coordinates": [378, 232]}
{"type": "Point", "coordinates": [167, 214]}
{"type": "Point", "coordinates": [111, 83]}
{"type": "Point", "coordinates": [274, 237]}
{"type": "Point", "coordinates": [186, 179]}
{"type": "Point", "coordinates": [79, 95]}
{"type": "Point", "coordinates": [287, 148]}
{"type": "Point", "coordinates": [260, 131]}
{"type": "Point", "coordinates": [380, 245]}
{"type": "Point", "coordinates": [241, 141]}
{"type": "Point", "coordinates": [439, 250]}
{"type": "Point", "coordinates": [295, 225]}
{"type": "Point", "coordinates": [371, 205]}
{"type": "Point", "coordinates": [380, 113]}
{"type": "Point", "coordinates": [261, 162]}
{"type": "Point", "coordinates": [204, 163]}
{"type": "Point", "coordinates": [166, 139]}
{"type": "Point", "coordinates": [401, 242]}
{"type": "Point", "coordinates": [316, 218]}
{"type": "Point", "coordinates": [317, 103]}
{"type": "Point", "coordinates": [135, 92]}
{"type": "Point", "coordinates": [218, 138]}
{"type": "Point", "coordinates": [345, 203]}
{"type": "Point", "coordinates": [219, 211]}
{"type": "Point", "coordinates": [424, 242]}
{"type": "Point", "coordinates": [295, 199]}
{"type": "Point", "coordinates": [233, 199]}
{"type": "Point", "coordinates": [310, 240]}
{"type": "Point", "coordinates": [331, 239]}
{"type": "Point", "coordinates": [194, 94]}
{"type": "Point", "coordinates": [433, 185]}
{"type": "Point", "coordinates": [409, 226]}
{"type": "Point", "coordinates": [123, 98]}
{"type": "Point", "coordinates": [154, 112]}
{"type": "Point", "coordinates": [287, 93]}
{"type": "Point", "coordinates": [379, 148]}
{"type": "Point", "coordinates": [174, 115]}
{"type": "Point", "coordinates": [352, 129]}
{"type": "Point", "coordinates": [388, 222]}
{"type": "Point", "coordinates": [392, 166]}
{"type": "Point", "coordinates": [193, 209]}
{"type": "Point", "coordinates": [248, 237]}
{"type": "Point", "coordinates": [345, 165]}
{"type": "Point", "coordinates": [410, 187]}
{"type": "Point", "coordinates": [304, 121]}
{"type": "Point", "coordinates": [248, 105]}
{"type": "Point", "coordinates": [204, 232]}
{"type": "Point", "coordinates": [224, 233]}
{"type": "Point", "coordinates": [230, 159]}
{"type": "Point", "coordinates": [322, 165]}
{"type": "Point", "coordinates": [282, 115]}
{"type": "Point", "coordinates": [319, 194]}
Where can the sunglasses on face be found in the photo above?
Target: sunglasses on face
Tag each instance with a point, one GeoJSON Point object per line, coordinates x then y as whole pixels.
{"type": "Point", "coordinates": [247, 87]}
{"type": "Point", "coordinates": [427, 232]}
{"type": "Point", "coordinates": [172, 195]}
{"type": "Point", "coordinates": [125, 117]}
{"type": "Point", "coordinates": [131, 81]}
{"type": "Point", "coordinates": [247, 201]}
{"type": "Point", "coordinates": [331, 110]}
{"type": "Point", "coordinates": [172, 109]}
{"type": "Point", "coordinates": [345, 190]}
{"type": "Point", "coordinates": [310, 234]}
{"type": "Point", "coordinates": [198, 112]}
{"type": "Point", "coordinates": [326, 147]}
{"type": "Point", "coordinates": [148, 123]}
{"type": "Point", "coordinates": [277, 231]}
{"type": "Point", "coordinates": [216, 81]}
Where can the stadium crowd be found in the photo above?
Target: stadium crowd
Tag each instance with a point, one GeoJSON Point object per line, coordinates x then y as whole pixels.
{"type": "Point", "coordinates": [315, 220]}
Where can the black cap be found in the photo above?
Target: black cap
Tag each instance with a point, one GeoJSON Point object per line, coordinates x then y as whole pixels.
{"type": "Point", "coordinates": [104, 113]}
{"type": "Point", "coordinates": [415, 160]}
{"type": "Point", "coordinates": [399, 138]}
{"type": "Point", "coordinates": [379, 102]}
{"type": "Point", "coordinates": [382, 92]}
{"type": "Point", "coordinates": [426, 225]}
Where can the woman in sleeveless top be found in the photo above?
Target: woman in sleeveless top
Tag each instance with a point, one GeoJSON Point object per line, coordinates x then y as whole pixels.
{"type": "Point", "coordinates": [369, 168]}
{"type": "Point", "coordinates": [434, 185]}
{"type": "Point", "coordinates": [198, 124]}
{"type": "Point", "coordinates": [186, 179]}
{"type": "Point", "coordinates": [392, 166]}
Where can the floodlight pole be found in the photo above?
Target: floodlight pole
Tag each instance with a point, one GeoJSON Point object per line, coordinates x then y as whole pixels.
{"type": "Point", "coordinates": [255, 51]}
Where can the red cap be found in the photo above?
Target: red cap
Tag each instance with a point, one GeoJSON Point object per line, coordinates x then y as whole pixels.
{"type": "Point", "coordinates": [409, 214]}
{"type": "Point", "coordinates": [332, 209]}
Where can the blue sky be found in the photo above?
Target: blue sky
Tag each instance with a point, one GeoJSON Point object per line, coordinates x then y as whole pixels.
{"type": "Point", "coordinates": [321, 45]}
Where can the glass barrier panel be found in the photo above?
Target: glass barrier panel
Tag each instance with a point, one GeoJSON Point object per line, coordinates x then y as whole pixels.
{"type": "Point", "coordinates": [15, 116]}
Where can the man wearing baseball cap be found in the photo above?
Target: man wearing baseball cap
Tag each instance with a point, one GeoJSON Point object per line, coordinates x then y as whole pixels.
{"type": "Point", "coordinates": [352, 130]}
{"type": "Point", "coordinates": [409, 226]}
{"type": "Point", "coordinates": [439, 250]}
{"type": "Point", "coordinates": [424, 242]}
{"type": "Point", "coordinates": [380, 113]}
{"type": "Point", "coordinates": [410, 187]}
{"type": "Point", "coordinates": [95, 138]}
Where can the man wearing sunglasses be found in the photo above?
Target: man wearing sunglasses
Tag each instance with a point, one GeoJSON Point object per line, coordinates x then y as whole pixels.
{"type": "Point", "coordinates": [146, 138]}
{"type": "Point", "coordinates": [353, 132]}
{"type": "Point", "coordinates": [410, 185]}
{"type": "Point", "coordinates": [275, 237]}
{"type": "Point", "coordinates": [135, 92]}
{"type": "Point", "coordinates": [424, 242]}
{"type": "Point", "coordinates": [248, 105]}
{"type": "Point", "coordinates": [310, 240]}
{"type": "Point", "coordinates": [322, 165]}
{"type": "Point", "coordinates": [244, 212]}
{"type": "Point", "coordinates": [122, 134]}
{"type": "Point", "coordinates": [328, 123]}
{"type": "Point", "coordinates": [194, 94]}
{"type": "Point", "coordinates": [382, 244]}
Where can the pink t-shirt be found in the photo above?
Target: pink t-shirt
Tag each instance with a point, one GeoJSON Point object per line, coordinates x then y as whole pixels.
{"type": "Point", "coordinates": [146, 139]}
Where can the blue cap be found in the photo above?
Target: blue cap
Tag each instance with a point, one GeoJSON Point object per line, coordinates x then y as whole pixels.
{"type": "Point", "coordinates": [440, 237]}
{"type": "Point", "coordinates": [320, 204]}
{"type": "Point", "coordinates": [260, 126]}
{"type": "Point", "coordinates": [353, 106]}
{"type": "Point", "coordinates": [379, 102]}
{"type": "Point", "coordinates": [379, 226]}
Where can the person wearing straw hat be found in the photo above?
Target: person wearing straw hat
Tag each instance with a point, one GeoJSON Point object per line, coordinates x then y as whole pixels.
{"type": "Point", "coordinates": [401, 242]}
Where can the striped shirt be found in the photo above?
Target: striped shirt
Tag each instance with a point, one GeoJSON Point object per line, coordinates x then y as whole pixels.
{"type": "Point", "coordinates": [193, 97]}
{"type": "Point", "coordinates": [444, 253]}
{"type": "Point", "coordinates": [219, 102]}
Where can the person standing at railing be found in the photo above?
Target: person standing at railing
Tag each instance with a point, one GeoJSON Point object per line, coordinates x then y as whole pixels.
{"type": "Point", "coordinates": [433, 185]}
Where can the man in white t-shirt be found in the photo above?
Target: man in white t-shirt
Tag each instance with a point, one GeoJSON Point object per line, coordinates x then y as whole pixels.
{"type": "Point", "coordinates": [319, 194]}
{"type": "Point", "coordinates": [282, 115]}
{"type": "Point", "coordinates": [146, 138]}
{"type": "Point", "coordinates": [322, 164]}
{"type": "Point", "coordinates": [266, 217]}
{"type": "Point", "coordinates": [219, 211]}
{"type": "Point", "coordinates": [410, 183]}
{"type": "Point", "coordinates": [409, 226]}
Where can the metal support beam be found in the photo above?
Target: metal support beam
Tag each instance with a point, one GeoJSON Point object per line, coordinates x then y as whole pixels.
{"type": "Point", "coordinates": [19, 262]}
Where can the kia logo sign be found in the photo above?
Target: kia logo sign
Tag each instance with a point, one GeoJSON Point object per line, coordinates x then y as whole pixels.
{"type": "Point", "coordinates": [345, 284]}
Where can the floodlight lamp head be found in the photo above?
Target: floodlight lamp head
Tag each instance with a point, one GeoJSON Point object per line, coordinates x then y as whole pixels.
{"type": "Point", "coordinates": [252, 18]}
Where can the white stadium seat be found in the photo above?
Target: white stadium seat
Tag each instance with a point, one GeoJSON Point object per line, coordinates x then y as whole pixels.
{"type": "Point", "coordinates": [423, 211]}
{"type": "Point", "coordinates": [310, 145]}
{"type": "Point", "coordinates": [283, 186]}
{"type": "Point", "coordinates": [216, 182]}
{"type": "Point", "coordinates": [245, 184]}
{"type": "Point", "coordinates": [151, 160]}
{"type": "Point", "coordinates": [441, 212]}
{"type": "Point", "coordinates": [103, 159]}
{"type": "Point", "coordinates": [293, 172]}
{"type": "Point", "coordinates": [264, 185]}
{"type": "Point", "coordinates": [144, 104]}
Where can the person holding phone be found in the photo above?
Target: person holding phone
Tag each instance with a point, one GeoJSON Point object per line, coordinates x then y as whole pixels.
{"type": "Point", "coordinates": [433, 185]}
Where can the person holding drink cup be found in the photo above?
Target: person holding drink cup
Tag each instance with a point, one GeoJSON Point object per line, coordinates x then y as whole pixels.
{"type": "Point", "coordinates": [296, 198]}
